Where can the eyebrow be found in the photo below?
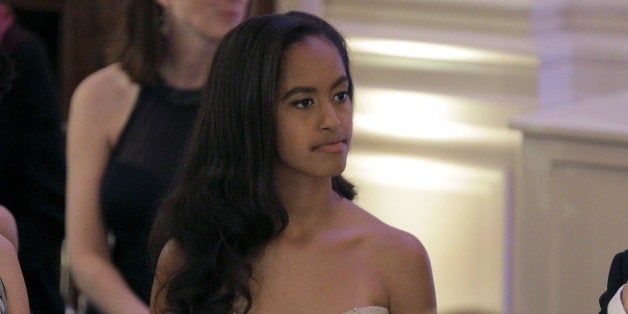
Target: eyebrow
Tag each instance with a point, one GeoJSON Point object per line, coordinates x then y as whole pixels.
{"type": "Point", "coordinates": [306, 89]}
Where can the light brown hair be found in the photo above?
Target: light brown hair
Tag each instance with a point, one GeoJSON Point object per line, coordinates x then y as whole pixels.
{"type": "Point", "coordinates": [137, 44]}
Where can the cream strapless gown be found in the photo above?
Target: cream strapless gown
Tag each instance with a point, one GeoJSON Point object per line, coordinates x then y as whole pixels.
{"type": "Point", "coordinates": [365, 310]}
{"type": "Point", "coordinates": [368, 310]}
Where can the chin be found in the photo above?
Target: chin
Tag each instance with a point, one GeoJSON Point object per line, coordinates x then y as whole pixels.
{"type": "Point", "coordinates": [332, 171]}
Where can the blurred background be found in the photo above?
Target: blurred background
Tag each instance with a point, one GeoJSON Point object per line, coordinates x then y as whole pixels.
{"type": "Point", "coordinates": [496, 131]}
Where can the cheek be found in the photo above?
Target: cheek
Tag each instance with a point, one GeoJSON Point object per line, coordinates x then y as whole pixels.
{"type": "Point", "coordinates": [282, 135]}
{"type": "Point", "coordinates": [346, 117]}
{"type": "Point", "coordinates": [280, 143]}
{"type": "Point", "coordinates": [290, 139]}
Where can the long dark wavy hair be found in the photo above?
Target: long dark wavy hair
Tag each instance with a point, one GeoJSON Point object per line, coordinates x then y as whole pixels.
{"type": "Point", "coordinates": [224, 208]}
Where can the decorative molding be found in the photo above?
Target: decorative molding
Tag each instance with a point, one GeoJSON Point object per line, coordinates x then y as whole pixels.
{"type": "Point", "coordinates": [478, 15]}
{"type": "Point", "coordinates": [511, 30]}
{"type": "Point", "coordinates": [596, 119]}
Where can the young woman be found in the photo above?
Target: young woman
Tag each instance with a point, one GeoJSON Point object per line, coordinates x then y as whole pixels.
{"type": "Point", "coordinates": [261, 219]}
{"type": "Point", "coordinates": [128, 126]}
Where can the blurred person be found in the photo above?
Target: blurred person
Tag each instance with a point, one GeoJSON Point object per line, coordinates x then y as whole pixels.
{"type": "Point", "coordinates": [13, 295]}
{"type": "Point", "coordinates": [261, 219]}
{"type": "Point", "coordinates": [615, 299]}
{"type": "Point", "coordinates": [128, 126]}
{"type": "Point", "coordinates": [32, 168]}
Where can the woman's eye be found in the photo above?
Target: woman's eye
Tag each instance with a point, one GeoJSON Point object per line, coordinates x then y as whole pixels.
{"type": "Point", "coordinates": [342, 96]}
{"type": "Point", "coordinates": [303, 103]}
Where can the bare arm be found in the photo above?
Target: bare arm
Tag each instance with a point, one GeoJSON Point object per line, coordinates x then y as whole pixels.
{"type": "Point", "coordinates": [8, 226]}
{"type": "Point", "coordinates": [408, 277]}
{"type": "Point", "coordinates": [171, 259]}
{"type": "Point", "coordinates": [12, 278]}
{"type": "Point", "coordinates": [94, 117]}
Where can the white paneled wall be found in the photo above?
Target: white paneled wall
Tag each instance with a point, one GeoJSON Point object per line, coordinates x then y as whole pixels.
{"type": "Point", "coordinates": [571, 216]}
{"type": "Point", "coordinates": [437, 82]}
{"type": "Point", "coordinates": [432, 153]}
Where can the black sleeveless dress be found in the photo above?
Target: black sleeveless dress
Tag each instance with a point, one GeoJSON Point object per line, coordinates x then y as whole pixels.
{"type": "Point", "coordinates": [141, 170]}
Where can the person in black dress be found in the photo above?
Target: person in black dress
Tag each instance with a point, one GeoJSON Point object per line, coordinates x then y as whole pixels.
{"type": "Point", "coordinates": [128, 126]}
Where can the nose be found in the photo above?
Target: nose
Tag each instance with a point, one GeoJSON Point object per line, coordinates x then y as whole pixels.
{"type": "Point", "coordinates": [329, 117]}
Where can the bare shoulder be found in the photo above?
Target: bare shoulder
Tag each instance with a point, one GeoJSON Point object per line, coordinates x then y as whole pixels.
{"type": "Point", "coordinates": [11, 276]}
{"type": "Point", "coordinates": [171, 260]}
{"type": "Point", "coordinates": [171, 257]}
{"type": "Point", "coordinates": [104, 90]}
{"type": "Point", "coordinates": [382, 237]}
{"type": "Point", "coordinates": [402, 263]}
{"type": "Point", "coordinates": [102, 103]}
{"type": "Point", "coordinates": [8, 256]}
{"type": "Point", "coordinates": [108, 82]}
{"type": "Point", "coordinates": [8, 227]}
{"type": "Point", "coordinates": [6, 246]}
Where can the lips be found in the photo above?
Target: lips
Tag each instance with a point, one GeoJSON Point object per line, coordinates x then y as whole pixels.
{"type": "Point", "coordinates": [334, 145]}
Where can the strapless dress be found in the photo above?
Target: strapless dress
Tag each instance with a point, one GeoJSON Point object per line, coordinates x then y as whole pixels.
{"type": "Point", "coordinates": [361, 310]}
{"type": "Point", "coordinates": [368, 310]}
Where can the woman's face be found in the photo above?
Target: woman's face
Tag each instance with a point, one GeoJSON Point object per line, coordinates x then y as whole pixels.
{"type": "Point", "coordinates": [211, 19]}
{"type": "Point", "coordinates": [314, 114]}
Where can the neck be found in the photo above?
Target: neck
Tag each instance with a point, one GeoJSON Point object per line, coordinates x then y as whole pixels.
{"type": "Point", "coordinates": [309, 202]}
{"type": "Point", "coordinates": [186, 61]}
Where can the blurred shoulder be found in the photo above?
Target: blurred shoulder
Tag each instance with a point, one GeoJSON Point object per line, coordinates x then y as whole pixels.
{"type": "Point", "coordinates": [170, 262]}
{"type": "Point", "coordinates": [11, 277]}
{"type": "Point", "coordinates": [8, 226]}
{"type": "Point", "coordinates": [108, 86]}
{"type": "Point", "coordinates": [8, 258]}
{"type": "Point", "coordinates": [105, 97]}
{"type": "Point", "coordinates": [171, 258]}
{"type": "Point", "coordinates": [6, 246]}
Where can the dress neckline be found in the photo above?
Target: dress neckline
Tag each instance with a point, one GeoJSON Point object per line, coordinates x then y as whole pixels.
{"type": "Point", "coordinates": [175, 96]}
{"type": "Point", "coordinates": [374, 309]}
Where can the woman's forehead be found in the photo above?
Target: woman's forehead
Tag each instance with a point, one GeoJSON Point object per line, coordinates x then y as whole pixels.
{"type": "Point", "coordinates": [309, 58]}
